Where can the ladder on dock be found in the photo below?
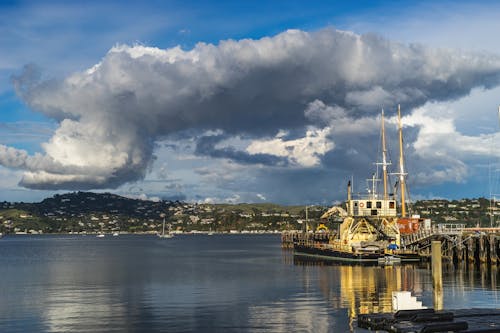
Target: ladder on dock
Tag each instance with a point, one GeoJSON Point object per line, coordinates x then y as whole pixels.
{"type": "Point", "coordinates": [417, 237]}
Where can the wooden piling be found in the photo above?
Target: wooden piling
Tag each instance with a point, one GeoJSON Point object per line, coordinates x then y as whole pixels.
{"type": "Point", "coordinates": [493, 249]}
{"type": "Point", "coordinates": [437, 275]}
{"type": "Point", "coordinates": [471, 249]}
{"type": "Point", "coordinates": [460, 249]}
{"type": "Point", "coordinates": [483, 252]}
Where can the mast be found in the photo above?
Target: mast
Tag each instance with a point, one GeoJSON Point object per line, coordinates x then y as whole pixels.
{"type": "Point", "coordinates": [384, 158]}
{"type": "Point", "coordinates": [384, 162]}
{"type": "Point", "coordinates": [163, 232]}
{"type": "Point", "coordinates": [349, 191]}
{"type": "Point", "coordinates": [401, 166]}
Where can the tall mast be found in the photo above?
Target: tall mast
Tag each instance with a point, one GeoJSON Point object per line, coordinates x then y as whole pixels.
{"type": "Point", "coordinates": [401, 166]}
{"type": "Point", "coordinates": [384, 159]}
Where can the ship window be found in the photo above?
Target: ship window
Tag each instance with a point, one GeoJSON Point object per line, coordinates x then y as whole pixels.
{"type": "Point", "coordinates": [374, 212]}
{"type": "Point", "coordinates": [355, 204]}
{"type": "Point", "coordinates": [391, 204]}
{"type": "Point", "coordinates": [368, 204]}
{"type": "Point", "coordinates": [379, 204]}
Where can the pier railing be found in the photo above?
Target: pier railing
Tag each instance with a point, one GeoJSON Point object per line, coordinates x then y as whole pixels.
{"type": "Point", "coordinates": [288, 238]}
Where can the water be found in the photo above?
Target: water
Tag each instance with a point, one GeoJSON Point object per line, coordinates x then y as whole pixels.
{"type": "Point", "coordinates": [197, 283]}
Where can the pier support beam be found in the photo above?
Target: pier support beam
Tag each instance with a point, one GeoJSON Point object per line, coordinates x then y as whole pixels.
{"type": "Point", "coordinates": [483, 252]}
{"type": "Point", "coordinates": [437, 275]}
{"type": "Point", "coordinates": [459, 249]}
{"type": "Point", "coordinates": [493, 249]}
{"type": "Point", "coordinates": [449, 246]}
{"type": "Point", "coordinates": [471, 249]}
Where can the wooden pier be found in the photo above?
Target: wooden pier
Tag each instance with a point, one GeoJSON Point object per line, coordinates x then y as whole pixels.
{"type": "Point", "coordinates": [458, 244]}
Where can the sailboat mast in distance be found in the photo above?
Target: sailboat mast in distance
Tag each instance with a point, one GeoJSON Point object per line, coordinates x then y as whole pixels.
{"type": "Point", "coordinates": [401, 166]}
{"type": "Point", "coordinates": [384, 158]}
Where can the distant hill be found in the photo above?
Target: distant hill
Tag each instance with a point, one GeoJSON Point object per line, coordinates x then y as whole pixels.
{"type": "Point", "coordinates": [89, 202]}
{"type": "Point", "coordinates": [107, 212]}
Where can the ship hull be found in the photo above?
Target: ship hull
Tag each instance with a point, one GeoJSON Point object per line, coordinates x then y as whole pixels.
{"type": "Point", "coordinates": [408, 257]}
{"type": "Point", "coordinates": [336, 255]}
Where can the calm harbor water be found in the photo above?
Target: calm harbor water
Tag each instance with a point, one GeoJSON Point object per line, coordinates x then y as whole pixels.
{"type": "Point", "coordinates": [199, 283]}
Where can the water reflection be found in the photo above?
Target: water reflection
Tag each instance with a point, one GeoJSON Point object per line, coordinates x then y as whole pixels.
{"type": "Point", "coordinates": [301, 313]}
{"type": "Point", "coordinates": [368, 289]}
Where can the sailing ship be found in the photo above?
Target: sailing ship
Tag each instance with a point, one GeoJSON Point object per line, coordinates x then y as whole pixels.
{"type": "Point", "coordinates": [369, 231]}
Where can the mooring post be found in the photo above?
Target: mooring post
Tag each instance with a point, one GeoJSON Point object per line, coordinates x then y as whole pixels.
{"type": "Point", "coordinates": [437, 275]}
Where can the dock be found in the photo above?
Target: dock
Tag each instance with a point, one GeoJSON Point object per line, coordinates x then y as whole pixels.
{"type": "Point", "coordinates": [475, 245]}
{"type": "Point", "coordinates": [428, 320]}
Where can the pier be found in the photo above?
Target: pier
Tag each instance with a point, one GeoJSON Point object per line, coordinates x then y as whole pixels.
{"type": "Point", "coordinates": [457, 243]}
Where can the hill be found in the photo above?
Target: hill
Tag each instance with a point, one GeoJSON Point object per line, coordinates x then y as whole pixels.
{"type": "Point", "coordinates": [107, 212]}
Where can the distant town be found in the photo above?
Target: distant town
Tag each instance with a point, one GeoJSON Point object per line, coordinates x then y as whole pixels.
{"type": "Point", "coordinates": [87, 212]}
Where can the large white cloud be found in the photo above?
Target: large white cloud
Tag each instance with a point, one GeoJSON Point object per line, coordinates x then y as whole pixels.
{"type": "Point", "coordinates": [304, 151]}
{"type": "Point", "coordinates": [111, 115]}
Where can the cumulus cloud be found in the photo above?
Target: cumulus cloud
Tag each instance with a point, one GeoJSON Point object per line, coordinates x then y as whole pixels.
{"type": "Point", "coordinates": [442, 148]}
{"type": "Point", "coordinates": [111, 115]}
{"type": "Point", "coordinates": [303, 151]}
{"type": "Point", "coordinates": [207, 145]}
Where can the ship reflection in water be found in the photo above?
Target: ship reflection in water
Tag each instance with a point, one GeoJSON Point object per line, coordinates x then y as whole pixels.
{"type": "Point", "coordinates": [363, 289]}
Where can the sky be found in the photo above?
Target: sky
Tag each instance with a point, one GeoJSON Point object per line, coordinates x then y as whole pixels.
{"type": "Point", "coordinates": [258, 101]}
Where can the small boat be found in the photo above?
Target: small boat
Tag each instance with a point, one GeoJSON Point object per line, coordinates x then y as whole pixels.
{"type": "Point", "coordinates": [389, 260]}
{"type": "Point", "coordinates": [115, 234]}
{"type": "Point", "coordinates": [101, 235]}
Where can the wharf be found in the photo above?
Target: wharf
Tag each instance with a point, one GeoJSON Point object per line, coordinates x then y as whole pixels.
{"type": "Point", "coordinates": [481, 245]}
{"type": "Point", "coordinates": [428, 320]}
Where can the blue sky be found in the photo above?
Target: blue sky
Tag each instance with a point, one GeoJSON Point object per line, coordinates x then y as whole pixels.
{"type": "Point", "coordinates": [223, 101]}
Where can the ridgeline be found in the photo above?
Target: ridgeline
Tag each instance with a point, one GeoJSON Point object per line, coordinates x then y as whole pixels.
{"type": "Point", "coordinates": [105, 212]}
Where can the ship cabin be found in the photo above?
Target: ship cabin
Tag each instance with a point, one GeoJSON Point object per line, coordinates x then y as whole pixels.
{"type": "Point", "coordinates": [372, 207]}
